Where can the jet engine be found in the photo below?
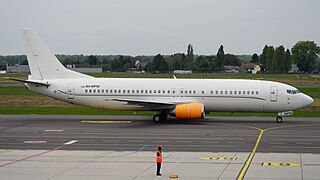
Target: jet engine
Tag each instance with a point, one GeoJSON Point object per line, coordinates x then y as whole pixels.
{"type": "Point", "coordinates": [188, 111]}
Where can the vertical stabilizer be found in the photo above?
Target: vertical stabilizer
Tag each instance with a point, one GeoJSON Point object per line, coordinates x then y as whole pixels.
{"type": "Point", "coordinates": [42, 62]}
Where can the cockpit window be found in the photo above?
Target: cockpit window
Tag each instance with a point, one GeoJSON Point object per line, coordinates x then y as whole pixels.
{"type": "Point", "coordinates": [293, 91]}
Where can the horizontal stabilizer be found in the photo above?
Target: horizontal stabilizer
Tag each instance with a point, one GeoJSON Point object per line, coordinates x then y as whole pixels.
{"type": "Point", "coordinates": [28, 81]}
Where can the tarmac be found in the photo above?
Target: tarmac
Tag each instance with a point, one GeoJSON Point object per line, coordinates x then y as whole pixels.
{"type": "Point", "coordinates": [123, 147]}
{"type": "Point", "coordinates": [78, 165]}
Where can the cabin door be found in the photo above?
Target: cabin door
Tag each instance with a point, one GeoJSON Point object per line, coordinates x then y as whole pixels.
{"type": "Point", "coordinates": [70, 91]}
{"type": "Point", "coordinates": [273, 94]}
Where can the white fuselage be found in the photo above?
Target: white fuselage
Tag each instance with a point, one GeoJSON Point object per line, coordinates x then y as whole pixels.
{"type": "Point", "coordinates": [215, 94]}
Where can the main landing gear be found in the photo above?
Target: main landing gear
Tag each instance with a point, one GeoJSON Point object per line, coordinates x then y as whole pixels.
{"type": "Point", "coordinates": [159, 117]}
{"type": "Point", "coordinates": [279, 119]}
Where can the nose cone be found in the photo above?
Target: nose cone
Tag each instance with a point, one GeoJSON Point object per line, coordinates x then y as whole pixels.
{"type": "Point", "coordinates": [307, 100]}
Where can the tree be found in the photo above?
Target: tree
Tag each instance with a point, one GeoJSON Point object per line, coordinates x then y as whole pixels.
{"type": "Point", "coordinates": [231, 60]}
{"type": "Point", "coordinates": [287, 61]}
{"type": "Point", "coordinates": [304, 54]}
{"type": "Point", "coordinates": [159, 64]}
{"type": "Point", "coordinates": [262, 58]}
{"type": "Point", "coordinates": [190, 56]}
{"type": "Point", "coordinates": [269, 57]}
{"type": "Point", "coordinates": [92, 60]}
{"type": "Point", "coordinates": [255, 58]}
{"type": "Point", "coordinates": [219, 58]}
{"type": "Point", "coordinates": [277, 64]}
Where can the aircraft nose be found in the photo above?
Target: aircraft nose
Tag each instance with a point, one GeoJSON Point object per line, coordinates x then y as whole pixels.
{"type": "Point", "coordinates": [307, 100]}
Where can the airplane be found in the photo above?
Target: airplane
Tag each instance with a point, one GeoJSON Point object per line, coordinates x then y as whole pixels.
{"type": "Point", "coordinates": [181, 98]}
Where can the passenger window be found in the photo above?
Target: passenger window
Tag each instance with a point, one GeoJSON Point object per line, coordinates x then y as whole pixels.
{"type": "Point", "coordinates": [186, 91]}
{"type": "Point", "coordinates": [252, 92]}
{"type": "Point", "coordinates": [133, 91]}
{"type": "Point", "coordinates": [102, 90]}
{"type": "Point", "coordinates": [124, 91]}
{"type": "Point", "coordinates": [110, 90]}
{"type": "Point", "coordinates": [235, 92]}
{"type": "Point", "coordinates": [138, 91]}
{"type": "Point", "coordinates": [128, 91]}
{"type": "Point", "coordinates": [173, 91]}
{"type": "Point", "coordinates": [243, 92]}
{"type": "Point", "coordinates": [226, 92]}
{"type": "Point", "coordinates": [217, 92]}
{"type": "Point", "coordinates": [163, 91]}
{"type": "Point", "coordinates": [154, 91]}
{"type": "Point", "coordinates": [159, 91]}
{"type": "Point", "coordinates": [202, 92]}
{"type": "Point", "coordinates": [90, 90]}
{"type": "Point", "coordinates": [194, 91]}
{"type": "Point", "coordinates": [168, 91]}
{"type": "Point", "coordinates": [230, 92]}
{"type": "Point", "coordinates": [86, 90]}
{"type": "Point", "coordinates": [239, 92]}
{"type": "Point", "coordinates": [181, 92]}
{"type": "Point", "coordinates": [221, 92]}
{"type": "Point", "coordinates": [190, 91]}
{"type": "Point", "coordinates": [248, 92]}
{"type": "Point", "coordinates": [98, 90]}
{"type": "Point", "coordinates": [94, 90]}
{"type": "Point", "coordinates": [106, 90]}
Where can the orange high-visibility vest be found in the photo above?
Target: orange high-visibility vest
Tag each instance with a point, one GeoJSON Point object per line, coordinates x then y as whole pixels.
{"type": "Point", "coordinates": [158, 158]}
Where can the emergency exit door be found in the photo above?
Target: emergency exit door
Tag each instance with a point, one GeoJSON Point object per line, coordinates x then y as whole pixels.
{"type": "Point", "coordinates": [273, 94]}
{"type": "Point", "coordinates": [70, 91]}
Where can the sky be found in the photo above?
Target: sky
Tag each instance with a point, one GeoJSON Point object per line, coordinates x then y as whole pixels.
{"type": "Point", "coordinates": [149, 27]}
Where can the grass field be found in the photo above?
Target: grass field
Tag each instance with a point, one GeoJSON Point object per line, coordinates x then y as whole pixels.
{"type": "Point", "coordinates": [18, 100]}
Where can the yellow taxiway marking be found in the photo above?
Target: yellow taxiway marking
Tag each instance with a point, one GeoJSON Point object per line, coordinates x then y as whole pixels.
{"type": "Point", "coordinates": [249, 160]}
{"type": "Point", "coordinates": [219, 158]}
{"type": "Point", "coordinates": [106, 122]}
{"type": "Point", "coordinates": [2, 151]}
{"type": "Point", "coordinates": [174, 176]}
{"type": "Point", "coordinates": [277, 164]}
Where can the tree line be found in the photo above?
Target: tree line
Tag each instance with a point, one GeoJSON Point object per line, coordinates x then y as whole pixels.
{"type": "Point", "coordinates": [272, 60]}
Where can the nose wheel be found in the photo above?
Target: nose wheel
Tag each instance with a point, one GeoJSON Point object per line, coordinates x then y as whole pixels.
{"type": "Point", "coordinates": [279, 119]}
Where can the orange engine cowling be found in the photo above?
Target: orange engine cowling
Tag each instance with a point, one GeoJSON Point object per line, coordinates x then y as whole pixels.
{"type": "Point", "coordinates": [188, 111]}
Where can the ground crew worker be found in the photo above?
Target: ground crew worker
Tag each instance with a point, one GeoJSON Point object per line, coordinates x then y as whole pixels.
{"type": "Point", "coordinates": [159, 159]}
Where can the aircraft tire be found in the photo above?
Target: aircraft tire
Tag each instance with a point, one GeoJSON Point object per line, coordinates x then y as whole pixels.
{"type": "Point", "coordinates": [157, 118]}
{"type": "Point", "coordinates": [164, 116]}
{"type": "Point", "coordinates": [279, 119]}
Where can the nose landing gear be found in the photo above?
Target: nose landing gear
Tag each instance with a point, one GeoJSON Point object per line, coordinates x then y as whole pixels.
{"type": "Point", "coordinates": [279, 119]}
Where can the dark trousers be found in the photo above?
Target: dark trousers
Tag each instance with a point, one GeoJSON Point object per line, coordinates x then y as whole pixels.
{"type": "Point", "coordinates": [158, 167]}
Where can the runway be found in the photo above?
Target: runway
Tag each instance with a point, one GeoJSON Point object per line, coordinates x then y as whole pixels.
{"type": "Point", "coordinates": [131, 133]}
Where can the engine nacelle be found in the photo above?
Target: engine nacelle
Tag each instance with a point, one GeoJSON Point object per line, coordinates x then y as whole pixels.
{"type": "Point", "coordinates": [188, 111]}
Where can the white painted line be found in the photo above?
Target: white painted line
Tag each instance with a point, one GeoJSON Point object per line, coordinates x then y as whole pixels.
{"type": "Point", "coordinates": [35, 142]}
{"type": "Point", "coordinates": [54, 130]}
{"type": "Point", "coordinates": [71, 142]}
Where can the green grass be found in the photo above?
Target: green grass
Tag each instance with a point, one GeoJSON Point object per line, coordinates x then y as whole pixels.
{"type": "Point", "coordinates": [15, 90]}
{"type": "Point", "coordinates": [313, 92]}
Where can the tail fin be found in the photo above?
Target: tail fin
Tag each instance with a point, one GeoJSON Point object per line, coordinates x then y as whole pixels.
{"type": "Point", "coordinates": [43, 64]}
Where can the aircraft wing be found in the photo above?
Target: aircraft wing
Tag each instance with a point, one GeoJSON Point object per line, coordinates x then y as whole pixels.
{"type": "Point", "coordinates": [148, 104]}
